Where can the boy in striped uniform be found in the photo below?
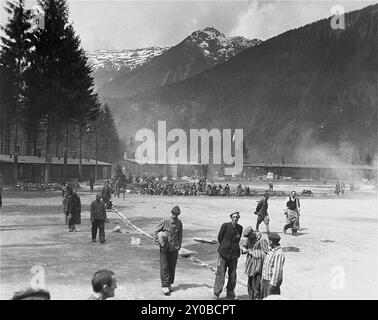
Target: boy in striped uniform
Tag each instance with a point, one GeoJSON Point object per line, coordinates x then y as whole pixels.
{"type": "Point", "coordinates": [272, 273]}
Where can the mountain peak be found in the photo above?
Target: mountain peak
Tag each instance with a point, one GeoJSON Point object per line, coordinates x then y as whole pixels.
{"type": "Point", "coordinates": [208, 33]}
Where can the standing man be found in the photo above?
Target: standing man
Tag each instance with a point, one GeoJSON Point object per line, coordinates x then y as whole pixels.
{"type": "Point", "coordinates": [168, 235]}
{"type": "Point", "coordinates": [106, 195]}
{"type": "Point", "coordinates": [98, 218]}
{"type": "Point", "coordinates": [272, 273]}
{"type": "Point", "coordinates": [292, 213]}
{"type": "Point", "coordinates": [229, 252]}
{"type": "Point", "coordinates": [104, 284]}
{"type": "Point", "coordinates": [262, 213]}
{"type": "Point", "coordinates": [66, 192]}
{"type": "Point", "coordinates": [256, 249]}
{"type": "Point", "coordinates": [73, 210]}
{"type": "Point", "coordinates": [91, 182]}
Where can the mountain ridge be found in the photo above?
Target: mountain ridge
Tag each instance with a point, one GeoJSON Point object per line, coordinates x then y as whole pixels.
{"type": "Point", "coordinates": [299, 99]}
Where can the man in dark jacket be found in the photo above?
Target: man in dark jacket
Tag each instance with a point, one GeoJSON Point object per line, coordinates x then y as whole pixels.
{"type": "Point", "coordinates": [229, 253]}
{"type": "Point", "coordinates": [91, 182]}
{"type": "Point", "coordinates": [66, 192]}
{"type": "Point", "coordinates": [168, 235]}
{"type": "Point", "coordinates": [262, 213]}
{"type": "Point", "coordinates": [98, 218]}
{"type": "Point", "coordinates": [73, 210]}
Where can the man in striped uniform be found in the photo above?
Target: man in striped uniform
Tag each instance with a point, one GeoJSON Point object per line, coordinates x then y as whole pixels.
{"type": "Point", "coordinates": [168, 235]}
{"type": "Point", "coordinates": [272, 273]}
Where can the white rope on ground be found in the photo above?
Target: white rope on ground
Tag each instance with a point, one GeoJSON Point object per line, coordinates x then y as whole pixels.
{"type": "Point", "coordinates": [195, 260]}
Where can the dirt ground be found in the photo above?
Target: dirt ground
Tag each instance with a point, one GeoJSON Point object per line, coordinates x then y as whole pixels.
{"type": "Point", "coordinates": [334, 257]}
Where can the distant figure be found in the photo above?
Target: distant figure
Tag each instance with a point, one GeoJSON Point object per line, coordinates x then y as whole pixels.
{"type": "Point", "coordinates": [337, 188]}
{"type": "Point", "coordinates": [342, 188]}
{"type": "Point", "coordinates": [73, 210]}
{"type": "Point", "coordinates": [106, 196]}
{"type": "Point", "coordinates": [262, 212]}
{"type": "Point", "coordinates": [66, 192]}
{"type": "Point", "coordinates": [118, 187]}
{"type": "Point", "coordinates": [270, 186]}
{"type": "Point", "coordinates": [168, 235]}
{"type": "Point", "coordinates": [104, 284]}
{"type": "Point", "coordinates": [292, 213]}
{"type": "Point", "coordinates": [32, 294]}
{"type": "Point", "coordinates": [229, 237]}
{"type": "Point", "coordinates": [123, 181]}
{"type": "Point", "coordinates": [256, 249]}
{"type": "Point", "coordinates": [1, 190]}
{"type": "Point", "coordinates": [91, 182]}
{"type": "Point", "coordinates": [272, 273]}
{"type": "Point", "coordinates": [98, 218]}
{"type": "Point", "coordinates": [227, 190]}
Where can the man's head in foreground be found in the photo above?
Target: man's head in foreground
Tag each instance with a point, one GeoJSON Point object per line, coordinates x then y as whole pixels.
{"type": "Point", "coordinates": [104, 283]}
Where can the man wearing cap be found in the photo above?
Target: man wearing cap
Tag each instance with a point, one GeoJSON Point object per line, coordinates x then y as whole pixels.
{"type": "Point", "coordinates": [73, 209]}
{"type": "Point", "coordinates": [262, 212]}
{"type": "Point", "coordinates": [98, 218]}
{"type": "Point", "coordinates": [272, 273]}
{"type": "Point", "coordinates": [229, 252]}
{"type": "Point", "coordinates": [168, 235]}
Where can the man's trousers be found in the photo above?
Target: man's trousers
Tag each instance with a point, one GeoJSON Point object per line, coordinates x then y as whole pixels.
{"type": "Point", "coordinates": [100, 225]}
{"type": "Point", "coordinates": [168, 262]}
{"type": "Point", "coordinates": [222, 266]}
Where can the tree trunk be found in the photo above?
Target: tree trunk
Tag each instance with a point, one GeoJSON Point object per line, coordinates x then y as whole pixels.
{"type": "Point", "coordinates": [35, 139]}
{"type": "Point", "coordinates": [96, 154]}
{"type": "Point", "coordinates": [80, 155]}
{"type": "Point", "coordinates": [47, 166]}
{"type": "Point", "coordinates": [65, 165]}
{"type": "Point", "coordinates": [15, 153]}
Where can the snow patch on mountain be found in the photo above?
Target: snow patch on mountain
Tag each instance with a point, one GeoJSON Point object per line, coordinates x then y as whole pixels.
{"type": "Point", "coordinates": [123, 58]}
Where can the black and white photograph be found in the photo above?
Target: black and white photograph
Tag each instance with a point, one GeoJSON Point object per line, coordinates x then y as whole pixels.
{"type": "Point", "coordinates": [174, 151]}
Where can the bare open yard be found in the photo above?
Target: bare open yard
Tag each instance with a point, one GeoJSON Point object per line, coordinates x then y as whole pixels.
{"type": "Point", "coordinates": [334, 257]}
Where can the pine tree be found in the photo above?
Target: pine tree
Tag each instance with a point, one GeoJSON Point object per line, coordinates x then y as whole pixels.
{"type": "Point", "coordinates": [65, 88]}
{"type": "Point", "coordinates": [13, 63]}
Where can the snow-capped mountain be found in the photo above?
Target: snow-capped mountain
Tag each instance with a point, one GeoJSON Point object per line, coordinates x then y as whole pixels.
{"type": "Point", "coordinates": [198, 52]}
{"type": "Point", "coordinates": [108, 64]}
{"type": "Point", "coordinates": [216, 47]}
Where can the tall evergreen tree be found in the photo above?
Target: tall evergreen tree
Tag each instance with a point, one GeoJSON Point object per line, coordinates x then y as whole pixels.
{"type": "Point", "coordinates": [65, 87]}
{"type": "Point", "coordinates": [15, 46]}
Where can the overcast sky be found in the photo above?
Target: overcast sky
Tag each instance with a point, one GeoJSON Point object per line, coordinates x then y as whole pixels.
{"type": "Point", "coordinates": [125, 24]}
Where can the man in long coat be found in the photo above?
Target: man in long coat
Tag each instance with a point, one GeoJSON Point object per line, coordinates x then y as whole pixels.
{"type": "Point", "coordinates": [73, 210]}
{"type": "Point", "coordinates": [229, 252]}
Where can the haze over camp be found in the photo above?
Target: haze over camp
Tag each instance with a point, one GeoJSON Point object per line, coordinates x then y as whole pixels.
{"type": "Point", "coordinates": [180, 151]}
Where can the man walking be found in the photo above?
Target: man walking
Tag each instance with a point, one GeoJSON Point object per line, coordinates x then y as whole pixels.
{"type": "Point", "coordinates": [66, 192]}
{"type": "Point", "coordinates": [168, 235]}
{"type": "Point", "coordinates": [272, 273]}
{"type": "Point", "coordinates": [91, 182]}
{"type": "Point", "coordinates": [262, 212]}
{"type": "Point", "coordinates": [292, 212]}
{"type": "Point", "coordinates": [73, 210]}
{"type": "Point", "coordinates": [98, 218]}
{"type": "Point", "coordinates": [229, 252]}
